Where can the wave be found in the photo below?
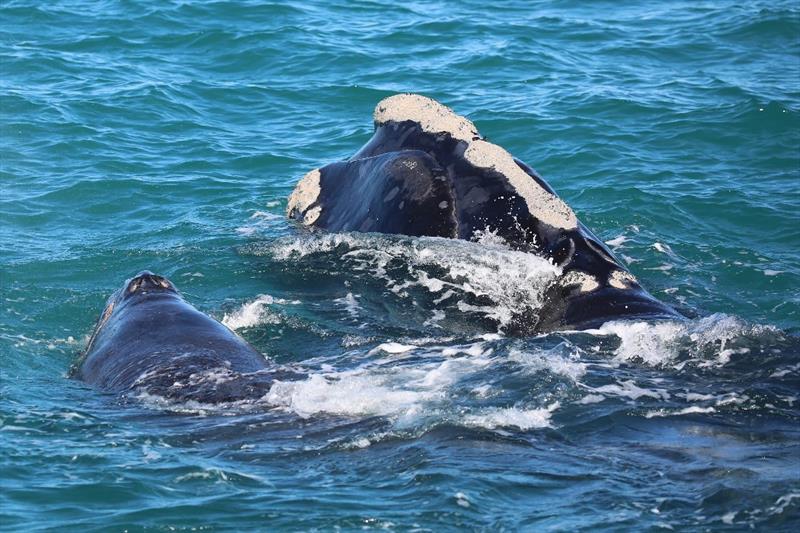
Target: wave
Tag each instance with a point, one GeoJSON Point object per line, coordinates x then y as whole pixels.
{"type": "Point", "coordinates": [708, 341]}
{"type": "Point", "coordinates": [256, 312]}
{"type": "Point", "coordinates": [699, 368]}
{"type": "Point", "coordinates": [483, 278]}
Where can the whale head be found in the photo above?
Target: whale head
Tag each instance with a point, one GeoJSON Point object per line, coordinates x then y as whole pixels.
{"type": "Point", "coordinates": [142, 287]}
{"type": "Point", "coordinates": [145, 282]}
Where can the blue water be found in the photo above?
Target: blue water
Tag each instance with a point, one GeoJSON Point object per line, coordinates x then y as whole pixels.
{"type": "Point", "coordinates": [168, 135]}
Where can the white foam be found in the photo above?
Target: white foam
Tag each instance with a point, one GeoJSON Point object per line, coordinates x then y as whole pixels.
{"type": "Point", "coordinates": [686, 411]}
{"type": "Point", "coordinates": [393, 348]}
{"type": "Point", "coordinates": [629, 389]}
{"type": "Point", "coordinates": [404, 393]}
{"type": "Point", "coordinates": [664, 267]}
{"type": "Point", "coordinates": [193, 475]}
{"type": "Point", "coordinates": [660, 343]}
{"type": "Point", "coordinates": [732, 398]}
{"type": "Point", "coordinates": [448, 372]}
{"type": "Point", "coordinates": [50, 343]}
{"type": "Point", "coordinates": [482, 391]}
{"type": "Point", "coordinates": [782, 502]}
{"type": "Point", "coordinates": [513, 417]}
{"type": "Point", "coordinates": [462, 500]}
{"type": "Point", "coordinates": [350, 304]}
{"type": "Point", "coordinates": [255, 313]}
{"type": "Point", "coordinates": [664, 249]}
{"type": "Point", "coordinates": [437, 316]}
{"type": "Point", "coordinates": [644, 341]}
{"type": "Point", "coordinates": [474, 349]}
{"type": "Point", "coordinates": [261, 219]}
{"type": "Point", "coordinates": [549, 361]}
{"type": "Point", "coordinates": [194, 407]}
{"type": "Point", "coordinates": [363, 442]}
{"type": "Point", "coordinates": [353, 394]}
{"type": "Point", "coordinates": [696, 397]}
{"type": "Point", "coordinates": [149, 454]}
{"type": "Point", "coordinates": [489, 237]}
{"type": "Point", "coordinates": [617, 241]}
{"type": "Point", "coordinates": [591, 398]}
{"type": "Point", "coordinates": [792, 369]}
{"type": "Point", "coordinates": [266, 214]}
{"type": "Point", "coordinates": [246, 230]}
{"type": "Point", "coordinates": [510, 280]}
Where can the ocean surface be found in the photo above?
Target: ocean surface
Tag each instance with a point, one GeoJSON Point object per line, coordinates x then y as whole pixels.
{"type": "Point", "coordinates": [167, 136]}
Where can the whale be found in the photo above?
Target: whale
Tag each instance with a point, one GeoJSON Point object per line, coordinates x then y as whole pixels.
{"type": "Point", "coordinates": [150, 340]}
{"type": "Point", "coordinates": [427, 171]}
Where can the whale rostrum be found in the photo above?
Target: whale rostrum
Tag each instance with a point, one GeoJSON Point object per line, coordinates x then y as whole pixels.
{"type": "Point", "coordinates": [427, 171]}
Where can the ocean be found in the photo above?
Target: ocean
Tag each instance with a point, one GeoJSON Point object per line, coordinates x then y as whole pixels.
{"type": "Point", "coordinates": [168, 135]}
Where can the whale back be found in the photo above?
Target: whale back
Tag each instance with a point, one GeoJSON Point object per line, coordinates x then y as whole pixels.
{"type": "Point", "coordinates": [156, 340]}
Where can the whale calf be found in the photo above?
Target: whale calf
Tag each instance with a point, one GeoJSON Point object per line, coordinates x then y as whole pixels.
{"type": "Point", "coordinates": [427, 171]}
{"type": "Point", "coordinates": [149, 339]}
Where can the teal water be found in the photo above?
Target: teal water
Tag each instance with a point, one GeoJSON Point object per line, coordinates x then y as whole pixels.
{"type": "Point", "coordinates": [168, 135]}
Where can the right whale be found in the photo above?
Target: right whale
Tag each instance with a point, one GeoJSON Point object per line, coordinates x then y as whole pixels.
{"type": "Point", "coordinates": [427, 171]}
{"type": "Point", "coordinates": [149, 340]}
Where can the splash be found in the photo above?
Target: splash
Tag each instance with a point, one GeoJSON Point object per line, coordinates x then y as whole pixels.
{"type": "Point", "coordinates": [403, 393]}
{"type": "Point", "coordinates": [485, 278]}
{"type": "Point", "coordinates": [513, 417]}
{"type": "Point", "coordinates": [255, 313]}
{"type": "Point", "coordinates": [710, 341]}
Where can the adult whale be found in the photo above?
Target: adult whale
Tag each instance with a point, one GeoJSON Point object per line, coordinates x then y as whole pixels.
{"type": "Point", "coordinates": [427, 171]}
{"type": "Point", "coordinates": [149, 339]}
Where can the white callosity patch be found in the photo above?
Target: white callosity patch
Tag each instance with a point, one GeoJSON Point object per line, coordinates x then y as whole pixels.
{"type": "Point", "coordinates": [543, 205]}
{"type": "Point", "coordinates": [586, 282]}
{"type": "Point", "coordinates": [621, 279]}
{"type": "Point", "coordinates": [305, 194]}
{"type": "Point", "coordinates": [432, 116]}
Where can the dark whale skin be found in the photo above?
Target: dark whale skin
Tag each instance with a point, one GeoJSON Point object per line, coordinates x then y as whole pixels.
{"type": "Point", "coordinates": [150, 339]}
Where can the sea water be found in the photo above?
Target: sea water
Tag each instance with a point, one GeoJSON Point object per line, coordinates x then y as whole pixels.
{"type": "Point", "coordinates": [167, 136]}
